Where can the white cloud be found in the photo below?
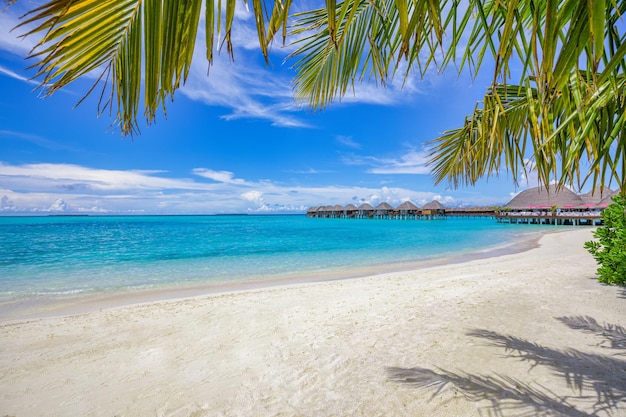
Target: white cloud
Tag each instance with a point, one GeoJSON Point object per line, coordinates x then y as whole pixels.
{"type": "Point", "coordinates": [10, 36]}
{"type": "Point", "coordinates": [6, 204]}
{"type": "Point", "coordinates": [245, 87]}
{"type": "Point", "coordinates": [396, 196]}
{"type": "Point", "coordinates": [218, 176]}
{"type": "Point", "coordinates": [393, 93]}
{"type": "Point", "coordinates": [255, 197]}
{"type": "Point", "coordinates": [16, 76]}
{"type": "Point", "coordinates": [253, 90]}
{"type": "Point", "coordinates": [411, 162]}
{"type": "Point", "coordinates": [348, 141]}
{"type": "Point", "coordinates": [35, 188]}
{"type": "Point", "coordinates": [528, 175]}
{"type": "Point", "coordinates": [59, 205]}
{"type": "Point", "coordinates": [311, 171]}
{"type": "Point", "coordinates": [74, 177]}
{"type": "Point", "coordinates": [445, 200]}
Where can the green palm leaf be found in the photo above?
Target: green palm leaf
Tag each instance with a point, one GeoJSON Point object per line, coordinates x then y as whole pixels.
{"type": "Point", "coordinates": [565, 112]}
{"type": "Point", "coordinates": [586, 140]}
{"type": "Point", "coordinates": [137, 45]}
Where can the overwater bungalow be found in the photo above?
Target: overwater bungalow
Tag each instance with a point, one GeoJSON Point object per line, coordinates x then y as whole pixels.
{"type": "Point", "coordinates": [534, 206]}
{"type": "Point", "coordinates": [365, 211]}
{"type": "Point", "coordinates": [337, 211]}
{"type": "Point", "coordinates": [328, 211]}
{"type": "Point", "coordinates": [350, 211]}
{"type": "Point", "coordinates": [312, 211]}
{"type": "Point", "coordinates": [407, 210]}
{"type": "Point", "coordinates": [434, 210]}
{"type": "Point", "coordinates": [383, 211]}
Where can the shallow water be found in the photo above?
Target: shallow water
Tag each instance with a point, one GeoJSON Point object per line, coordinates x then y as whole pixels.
{"type": "Point", "coordinates": [61, 256]}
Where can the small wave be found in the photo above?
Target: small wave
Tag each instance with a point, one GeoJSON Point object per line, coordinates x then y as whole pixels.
{"type": "Point", "coordinates": [65, 292]}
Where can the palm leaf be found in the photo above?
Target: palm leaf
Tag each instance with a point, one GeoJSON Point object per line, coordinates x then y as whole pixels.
{"type": "Point", "coordinates": [137, 45]}
{"type": "Point", "coordinates": [583, 145]}
{"type": "Point", "coordinates": [566, 109]}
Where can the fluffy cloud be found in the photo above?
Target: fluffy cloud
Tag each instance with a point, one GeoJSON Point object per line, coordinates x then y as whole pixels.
{"type": "Point", "coordinates": [6, 204]}
{"type": "Point", "coordinates": [33, 188]}
{"type": "Point", "coordinates": [59, 205]}
{"type": "Point", "coordinates": [411, 162]}
{"type": "Point", "coordinates": [255, 197]}
{"type": "Point", "coordinates": [218, 176]}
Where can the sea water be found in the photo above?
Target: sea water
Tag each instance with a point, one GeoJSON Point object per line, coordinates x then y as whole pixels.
{"type": "Point", "coordinates": [61, 256]}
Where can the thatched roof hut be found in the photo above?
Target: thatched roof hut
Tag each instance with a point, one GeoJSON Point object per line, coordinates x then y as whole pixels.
{"type": "Point", "coordinates": [350, 211]}
{"type": "Point", "coordinates": [595, 196]}
{"type": "Point", "coordinates": [434, 205]}
{"type": "Point", "coordinates": [384, 206]}
{"type": "Point", "coordinates": [541, 198]}
{"type": "Point", "coordinates": [365, 210]}
{"type": "Point", "coordinates": [383, 210]}
{"type": "Point", "coordinates": [605, 201]}
{"type": "Point", "coordinates": [434, 208]}
{"type": "Point", "coordinates": [407, 207]}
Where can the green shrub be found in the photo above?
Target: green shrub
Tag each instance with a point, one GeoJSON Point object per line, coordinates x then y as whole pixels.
{"type": "Point", "coordinates": [609, 249]}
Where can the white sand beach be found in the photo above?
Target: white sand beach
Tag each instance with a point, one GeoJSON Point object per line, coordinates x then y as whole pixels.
{"type": "Point", "coordinates": [524, 334]}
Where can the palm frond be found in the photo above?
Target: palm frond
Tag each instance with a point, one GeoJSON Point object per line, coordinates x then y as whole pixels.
{"type": "Point", "coordinates": [493, 138]}
{"type": "Point", "coordinates": [330, 62]}
{"type": "Point", "coordinates": [367, 41]}
{"type": "Point", "coordinates": [566, 110]}
{"type": "Point", "coordinates": [137, 45]}
{"type": "Point", "coordinates": [585, 141]}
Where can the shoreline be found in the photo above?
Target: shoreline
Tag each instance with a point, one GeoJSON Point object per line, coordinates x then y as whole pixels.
{"type": "Point", "coordinates": [528, 333]}
{"type": "Point", "coordinates": [42, 307]}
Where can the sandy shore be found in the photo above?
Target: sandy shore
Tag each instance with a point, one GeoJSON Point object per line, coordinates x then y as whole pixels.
{"type": "Point", "coordinates": [524, 334]}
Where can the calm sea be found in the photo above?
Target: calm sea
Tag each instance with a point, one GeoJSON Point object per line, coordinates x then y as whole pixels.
{"type": "Point", "coordinates": [64, 256]}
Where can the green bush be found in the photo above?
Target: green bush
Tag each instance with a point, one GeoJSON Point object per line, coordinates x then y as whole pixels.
{"type": "Point", "coordinates": [609, 249]}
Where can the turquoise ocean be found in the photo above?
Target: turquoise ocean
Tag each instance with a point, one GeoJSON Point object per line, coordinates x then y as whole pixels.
{"type": "Point", "coordinates": [59, 257]}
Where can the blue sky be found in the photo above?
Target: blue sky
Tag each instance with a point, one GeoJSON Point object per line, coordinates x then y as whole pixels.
{"type": "Point", "coordinates": [232, 142]}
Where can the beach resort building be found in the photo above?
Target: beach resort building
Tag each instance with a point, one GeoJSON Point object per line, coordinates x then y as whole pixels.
{"type": "Point", "coordinates": [408, 210]}
{"type": "Point", "coordinates": [533, 206]}
{"type": "Point", "coordinates": [559, 207]}
{"type": "Point", "coordinates": [434, 210]}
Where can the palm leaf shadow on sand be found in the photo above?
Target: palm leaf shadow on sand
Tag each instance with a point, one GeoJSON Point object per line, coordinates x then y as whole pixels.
{"type": "Point", "coordinates": [507, 396]}
{"type": "Point", "coordinates": [598, 382]}
{"type": "Point", "coordinates": [613, 335]}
